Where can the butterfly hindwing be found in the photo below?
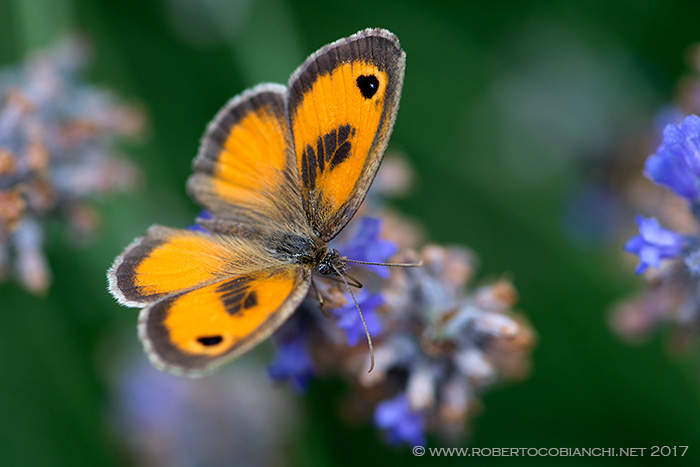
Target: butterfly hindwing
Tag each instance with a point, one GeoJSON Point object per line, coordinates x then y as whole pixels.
{"type": "Point", "coordinates": [194, 332]}
{"type": "Point", "coordinates": [244, 170]}
{"type": "Point", "coordinates": [342, 106]}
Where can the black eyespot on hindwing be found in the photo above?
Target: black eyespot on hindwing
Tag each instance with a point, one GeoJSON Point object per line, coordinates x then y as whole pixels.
{"type": "Point", "coordinates": [210, 340]}
{"type": "Point", "coordinates": [368, 85]}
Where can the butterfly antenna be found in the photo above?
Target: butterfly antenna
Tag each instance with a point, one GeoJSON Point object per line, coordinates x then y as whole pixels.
{"type": "Point", "coordinates": [369, 338]}
{"type": "Point", "coordinates": [397, 265]}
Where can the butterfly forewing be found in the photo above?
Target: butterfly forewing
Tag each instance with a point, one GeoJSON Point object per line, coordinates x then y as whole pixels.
{"type": "Point", "coordinates": [167, 261]}
{"type": "Point", "coordinates": [342, 107]}
{"type": "Point", "coordinates": [244, 171]}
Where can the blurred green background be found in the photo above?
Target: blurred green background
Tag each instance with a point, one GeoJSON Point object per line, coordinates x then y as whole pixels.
{"type": "Point", "coordinates": [503, 103]}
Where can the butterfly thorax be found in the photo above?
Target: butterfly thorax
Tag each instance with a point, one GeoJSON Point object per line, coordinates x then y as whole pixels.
{"type": "Point", "coordinates": [309, 251]}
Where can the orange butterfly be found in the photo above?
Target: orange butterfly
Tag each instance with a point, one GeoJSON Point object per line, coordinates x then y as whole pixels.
{"type": "Point", "coordinates": [282, 170]}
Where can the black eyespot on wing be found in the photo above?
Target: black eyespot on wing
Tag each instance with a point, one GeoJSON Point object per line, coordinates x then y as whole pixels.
{"type": "Point", "coordinates": [368, 85]}
{"type": "Point", "coordinates": [210, 341]}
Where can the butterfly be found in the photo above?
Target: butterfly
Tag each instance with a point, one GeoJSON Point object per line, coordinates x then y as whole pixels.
{"type": "Point", "coordinates": [281, 170]}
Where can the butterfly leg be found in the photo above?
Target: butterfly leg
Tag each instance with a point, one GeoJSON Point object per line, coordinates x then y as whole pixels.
{"type": "Point", "coordinates": [353, 281]}
{"type": "Point", "coordinates": [319, 297]}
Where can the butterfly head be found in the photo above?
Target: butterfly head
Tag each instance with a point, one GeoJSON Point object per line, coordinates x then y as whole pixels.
{"type": "Point", "coordinates": [331, 263]}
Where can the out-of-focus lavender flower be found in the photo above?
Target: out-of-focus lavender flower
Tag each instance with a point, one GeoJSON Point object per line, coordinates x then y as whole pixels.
{"type": "Point", "coordinates": [669, 114]}
{"type": "Point", "coordinates": [231, 418]}
{"type": "Point", "coordinates": [653, 244]}
{"type": "Point", "coordinates": [197, 226]}
{"type": "Point", "coordinates": [614, 169]}
{"type": "Point", "coordinates": [57, 138]}
{"type": "Point", "coordinates": [444, 343]}
{"type": "Point", "coordinates": [293, 362]}
{"type": "Point", "coordinates": [676, 164]}
{"type": "Point", "coordinates": [363, 243]}
{"type": "Point", "coordinates": [439, 342]}
{"type": "Point", "coordinates": [400, 422]}
{"type": "Point", "coordinates": [673, 298]}
{"type": "Point", "coordinates": [349, 319]}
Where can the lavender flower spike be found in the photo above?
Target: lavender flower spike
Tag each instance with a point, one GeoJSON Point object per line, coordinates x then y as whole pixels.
{"type": "Point", "coordinates": [654, 243]}
{"type": "Point", "coordinates": [676, 164]}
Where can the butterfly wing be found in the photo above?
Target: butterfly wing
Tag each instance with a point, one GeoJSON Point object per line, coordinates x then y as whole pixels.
{"type": "Point", "coordinates": [208, 297]}
{"type": "Point", "coordinates": [342, 106]}
{"type": "Point", "coordinates": [194, 332]}
{"type": "Point", "coordinates": [244, 171]}
{"type": "Point", "coordinates": [167, 261]}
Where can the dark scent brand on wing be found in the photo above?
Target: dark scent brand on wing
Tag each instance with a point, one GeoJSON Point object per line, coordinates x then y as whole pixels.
{"type": "Point", "coordinates": [332, 149]}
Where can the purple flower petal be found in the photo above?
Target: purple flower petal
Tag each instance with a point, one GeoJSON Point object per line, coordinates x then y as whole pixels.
{"type": "Point", "coordinates": [349, 319]}
{"type": "Point", "coordinates": [693, 262]}
{"type": "Point", "coordinates": [365, 244]}
{"type": "Point", "coordinates": [676, 164]}
{"type": "Point", "coordinates": [654, 244]}
{"type": "Point", "coordinates": [401, 424]}
{"type": "Point", "coordinates": [293, 363]}
{"type": "Point", "coordinates": [196, 227]}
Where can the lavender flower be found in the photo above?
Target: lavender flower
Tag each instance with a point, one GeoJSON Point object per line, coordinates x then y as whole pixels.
{"type": "Point", "coordinates": [363, 243]}
{"type": "Point", "coordinates": [653, 244]}
{"type": "Point", "coordinates": [197, 226]}
{"type": "Point", "coordinates": [444, 343]}
{"type": "Point", "coordinates": [349, 319]}
{"type": "Point", "coordinates": [231, 418]}
{"type": "Point", "coordinates": [438, 341]}
{"type": "Point", "coordinates": [56, 153]}
{"type": "Point", "coordinates": [293, 362]}
{"type": "Point", "coordinates": [401, 423]}
{"type": "Point", "coordinates": [674, 285]}
{"type": "Point", "coordinates": [676, 164]}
